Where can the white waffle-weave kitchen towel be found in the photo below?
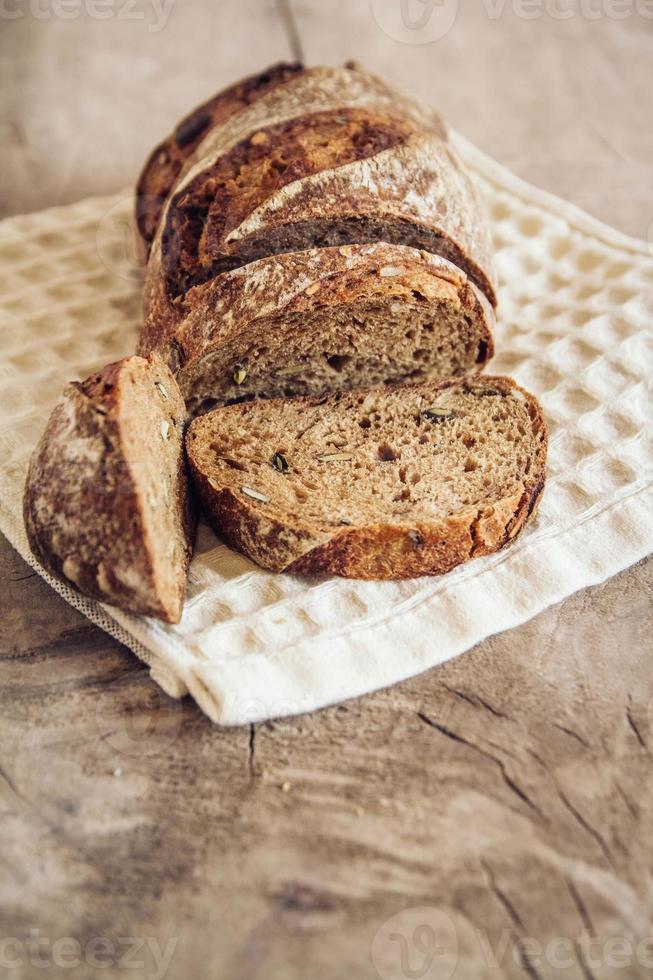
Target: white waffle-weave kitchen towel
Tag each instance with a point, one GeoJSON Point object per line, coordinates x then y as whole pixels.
{"type": "Point", "coordinates": [575, 328]}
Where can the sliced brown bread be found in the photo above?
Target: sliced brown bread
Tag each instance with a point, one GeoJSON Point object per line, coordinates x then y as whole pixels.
{"type": "Point", "coordinates": [166, 160]}
{"type": "Point", "coordinates": [208, 209]}
{"type": "Point", "coordinates": [328, 319]}
{"type": "Point", "coordinates": [402, 194]}
{"type": "Point", "coordinates": [106, 501]}
{"type": "Point", "coordinates": [330, 157]}
{"type": "Point", "coordinates": [278, 93]}
{"type": "Point", "coordinates": [388, 483]}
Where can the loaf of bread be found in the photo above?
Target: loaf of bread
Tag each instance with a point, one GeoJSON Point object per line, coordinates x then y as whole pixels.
{"type": "Point", "coordinates": [106, 504]}
{"type": "Point", "coordinates": [311, 239]}
{"type": "Point", "coordinates": [327, 158]}
{"type": "Point", "coordinates": [384, 483]}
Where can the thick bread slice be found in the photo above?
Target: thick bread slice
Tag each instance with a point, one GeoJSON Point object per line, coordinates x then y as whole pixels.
{"type": "Point", "coordinates": [375, 484]}
{"type": "Point", "coordinates": [166, 160]}
{"type": "Point", "coordinates": [415, 192]}
{"type": "Point", "coordinates": [106, 502]}
{"type": "Point", "coordinates": [326, 319]}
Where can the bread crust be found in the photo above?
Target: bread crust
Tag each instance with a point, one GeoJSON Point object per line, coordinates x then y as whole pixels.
{"type": "Point", "coordinates": [277, 93]}
{"type": "Point", "coordinates": [210, 208]}
{"type": "Point", "coordinates": [378, 550]}
{"type": "Point", "coordinates": [416, 189]}
{"type": "Point", "coordinates": [167, 159]}
{"type": "Point", "coordinates": [83, 506]}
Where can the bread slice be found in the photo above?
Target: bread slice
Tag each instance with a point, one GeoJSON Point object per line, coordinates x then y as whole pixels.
{"type": "Point", "coordinates": [106, 501]}
{"type": "Point", "coordinates": [328, 319]}
{"type": "Point", "coordinates": [166, 160]}
{"type": "Point", "coordinates": [375, 484]}
{"type": "Point", "coordinates": [369, 199]}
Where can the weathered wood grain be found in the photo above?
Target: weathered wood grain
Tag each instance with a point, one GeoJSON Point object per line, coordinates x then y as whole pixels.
{"type": "Point", "coordinates": [509, 790]}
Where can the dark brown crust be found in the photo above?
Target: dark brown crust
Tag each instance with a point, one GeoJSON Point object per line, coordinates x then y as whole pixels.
{"type": "Point", "coordinates": [166, 161]}
{"type": "Point", "coordinates": [82, 508]}
{"type": "Point", "coordinates": [203, 213]}
{"type": "Point", "coordinates": [378, 551]}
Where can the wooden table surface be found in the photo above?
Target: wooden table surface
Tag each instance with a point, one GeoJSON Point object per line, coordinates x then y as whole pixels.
{"type": "Point", "coordinates": [491, 818]}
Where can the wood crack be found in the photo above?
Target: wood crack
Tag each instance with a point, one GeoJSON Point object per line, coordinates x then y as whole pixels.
{"type": "Point", "coordinates": [475, 700]}
{"type": "Point", "coordinates": [630, 806]}
{"type": "Point", "coordinates": [251, 751]}
{"type": "Point", "coordinates": [6, 778]}
{"type": "Point", "coordinates": [514, 917]}
{"type": "Point", "coordinates": [580, 819]}
{"type": "Point", "coordinates": [572, 734]}
{"type": "Point", "coordinates": [584, 915]}
{"type": "Point", "coordinates": [578, 816]}
{"type": "Point", "coordinates": [289, 23]}
{"type": "Point", "coordinates": [581, 908]}
{"type": "Point", "coordinates": [635, 729]}
{"type": "Point", "coordinates": [510, 783]}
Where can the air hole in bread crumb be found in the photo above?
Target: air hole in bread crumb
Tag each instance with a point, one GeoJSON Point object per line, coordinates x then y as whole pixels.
{"type": "Point", "coordinates": [387, 454]}
{"type": "Point", "coordinates": [471, 464]}
{"type": "Point", "coordinates": [232, 463]}
{"type": "Point", "coordinates": [337, 361]}
{"type": "Point", "coordinates": [365, 423]}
